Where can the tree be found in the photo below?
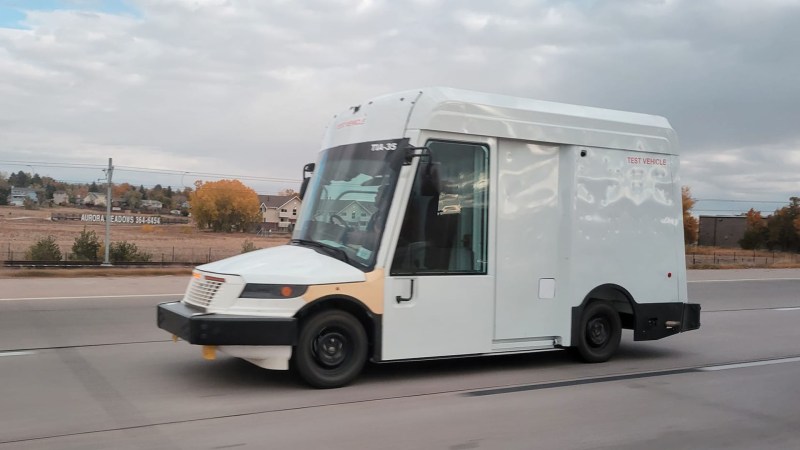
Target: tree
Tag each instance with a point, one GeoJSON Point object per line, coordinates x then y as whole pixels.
{"type": "Point", "coordinates": [45, 249]}
{"type": "Point", "coordinates": [133, 198]}
{"type": "Point", "coordinates": [20, 179]}
{"type": "Point", "coordinates": [5, 189]}
{"type": "Point", "coordinates": [755, 233]}
{"type": "Point", "coordinates": [93, 187]}
{"type": "Point", "coordinates": [49, 190]}
{"type": "Point", "coordinates": [86, 246]}
{"type": "Point", "coordinates": [781, 231]}
{"type": "Point", "coordinates": [120, 190]}
{"type": "Point", "coordinates": [690, 226]}
{"type": "Point", "coordinates": [225, 205]}
{"type": "Point", "coordinates": [287, 192]}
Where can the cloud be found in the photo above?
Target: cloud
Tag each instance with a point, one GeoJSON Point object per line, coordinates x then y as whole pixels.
{"type": "Point", "coordinates": [248, 87]}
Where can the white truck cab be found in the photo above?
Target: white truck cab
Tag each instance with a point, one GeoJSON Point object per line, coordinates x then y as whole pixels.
{"type": "Point", "coordinates": [441, 222]}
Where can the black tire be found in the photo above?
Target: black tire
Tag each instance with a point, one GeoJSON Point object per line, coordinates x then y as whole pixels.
{"type": "Point", "coordinates": [331, 349]}
{"type": "Point", "coordinates": [600, 333]}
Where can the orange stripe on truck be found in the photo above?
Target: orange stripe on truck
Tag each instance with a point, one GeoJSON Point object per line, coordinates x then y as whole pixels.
{"type": "Point", "coordinates": [369, 292]}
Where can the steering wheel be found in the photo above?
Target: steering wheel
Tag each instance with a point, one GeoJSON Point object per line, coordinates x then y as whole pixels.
{"type": "Point", "coordinates": [337, 220]}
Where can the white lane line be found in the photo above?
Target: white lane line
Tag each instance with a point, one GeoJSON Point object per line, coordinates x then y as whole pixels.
{"type": "Point", "coordinates": [744, 279]}
{"type": "Point", "coordinates": [795, 308]}
{"type": "Point", "coordinates": [16, 353]}
{"type": "Point", "coordinates": [751, 364]}
{"type": "Point", "coordinates": [91, 296]}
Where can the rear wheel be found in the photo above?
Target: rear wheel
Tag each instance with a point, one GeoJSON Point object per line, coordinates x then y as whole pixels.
{"type": "Point", "coordinates": [600, 332]}
{"type": "Point", "coordinates": [331, 349]}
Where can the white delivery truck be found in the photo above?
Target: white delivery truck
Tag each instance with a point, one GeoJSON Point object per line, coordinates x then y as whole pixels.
{"type": "Point", "coordinates": [441, 223]}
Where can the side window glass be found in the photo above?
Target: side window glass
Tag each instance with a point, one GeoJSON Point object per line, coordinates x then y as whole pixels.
{"type": "Point", "coordinates": [446, 223]}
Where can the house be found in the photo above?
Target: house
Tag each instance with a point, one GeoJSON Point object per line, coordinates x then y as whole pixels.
{"type": "Point", "coordinates": [279, 212]}
{"type": "Point", "coordinates": [94, 199]}
{"type": "Point", "coordinates": [19, 195]}
{"type": "Point", "coordinates": [357, 214]}
{"type": "Point", "coordinates": [60, 198]}
{"type": "Point", "coordinates": [151, 204]}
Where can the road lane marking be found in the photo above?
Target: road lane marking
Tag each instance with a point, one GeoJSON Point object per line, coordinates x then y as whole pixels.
{"type": "Point", "coordinates": [767, 362]}
{"type": "Point", "coordinates": [794, 308]}
{"type": "Point", "coordinates": [90, 296]}
{"type": "Point", "coordinates": [16, 353]}
{"type": "Point", "coordinates": [557, 384]}
{"type": "Point", "coordinates": [744, 279]}
{"type": "Point", "coordinates": [623, 377]}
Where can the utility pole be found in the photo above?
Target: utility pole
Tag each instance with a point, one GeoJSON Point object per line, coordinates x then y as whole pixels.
{"type": "Point", "coordinates": [108, 172]}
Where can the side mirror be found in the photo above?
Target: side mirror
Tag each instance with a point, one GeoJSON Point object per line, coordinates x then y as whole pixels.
{"type": "Point", "coordinates": [308, 169]}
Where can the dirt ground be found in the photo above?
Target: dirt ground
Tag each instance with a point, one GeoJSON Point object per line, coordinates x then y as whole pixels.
{"type": "Point", "coordinates": [20, 228]}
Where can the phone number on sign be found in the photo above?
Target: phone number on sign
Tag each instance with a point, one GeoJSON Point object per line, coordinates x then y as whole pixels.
{"type": "Point", "coordinates": [131, 220]}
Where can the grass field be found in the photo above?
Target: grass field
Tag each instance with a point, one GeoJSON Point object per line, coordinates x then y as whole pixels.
{"type": "Point", "coordinates": [20, 228]}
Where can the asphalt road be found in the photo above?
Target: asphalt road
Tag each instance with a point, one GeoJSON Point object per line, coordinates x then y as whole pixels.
{"type": "Point", "coordinates": [82, 366]}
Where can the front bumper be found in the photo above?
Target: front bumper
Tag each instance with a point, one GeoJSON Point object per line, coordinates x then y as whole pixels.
{"type": "Point", "coordinates": [197, 327]}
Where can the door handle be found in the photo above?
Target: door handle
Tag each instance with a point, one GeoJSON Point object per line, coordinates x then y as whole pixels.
{"type": "Point", "coordinates": [400, 298]}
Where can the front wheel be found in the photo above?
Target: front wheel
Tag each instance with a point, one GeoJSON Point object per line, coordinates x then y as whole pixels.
{"type": "Point", "coordinates": [600, 332]}
{"type": "Point", "coordinates": [331, 349]}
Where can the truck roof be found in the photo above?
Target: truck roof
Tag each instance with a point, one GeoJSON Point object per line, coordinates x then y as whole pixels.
{"type": "Point", "coordinates": [470, 112]}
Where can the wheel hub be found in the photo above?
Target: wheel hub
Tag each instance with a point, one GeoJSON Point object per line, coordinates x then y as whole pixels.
{"type": "Point", "coordinates": [598, 331]}
{"type": "Point", "coordinates": [330, 348]}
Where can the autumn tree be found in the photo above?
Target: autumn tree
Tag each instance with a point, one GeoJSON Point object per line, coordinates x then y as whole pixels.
{"type": "Point", "coordinates": [755, 233]}
{"type": "Point", "coordinates": [225, 205]}
{"type": "Point", "coordinates": [119, 190]}
{"type": "Point", "coordinates": [690, 226]}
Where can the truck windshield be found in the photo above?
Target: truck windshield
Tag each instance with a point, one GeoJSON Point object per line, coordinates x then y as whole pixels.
{"type": "Point", "coordinates": [348, 199]}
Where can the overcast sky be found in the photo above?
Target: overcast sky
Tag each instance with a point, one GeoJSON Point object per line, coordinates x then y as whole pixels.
{"type": "Point", "coordinates": [247, 87]}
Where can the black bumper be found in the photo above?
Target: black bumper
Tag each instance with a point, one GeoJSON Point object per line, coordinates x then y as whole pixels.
{"type": "Point", "coordinates": [653, 320]}
{"type": "Point", "coordinates": [197, 327]}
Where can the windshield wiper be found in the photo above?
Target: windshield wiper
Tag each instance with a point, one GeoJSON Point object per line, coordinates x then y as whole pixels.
{"type": "Point", "coordinates": [330, 250]}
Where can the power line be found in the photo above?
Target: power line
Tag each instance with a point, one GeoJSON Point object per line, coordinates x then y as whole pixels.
{"type": "Point", "coordinates": [740, 201]}
{"type": "Point", "coordinates": [64, 165]}
{"type": "Point", "coordinates": [208, 174]}
{"type": "Point", "coordinates": [52, 164]}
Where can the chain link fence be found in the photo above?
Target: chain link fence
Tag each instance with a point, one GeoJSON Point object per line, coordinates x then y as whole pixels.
{"type": "Point", "coordinates": [175, 255]}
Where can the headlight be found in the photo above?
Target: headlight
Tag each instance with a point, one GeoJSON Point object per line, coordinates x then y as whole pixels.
{"type": "Point", "coordinates": [267, 291]}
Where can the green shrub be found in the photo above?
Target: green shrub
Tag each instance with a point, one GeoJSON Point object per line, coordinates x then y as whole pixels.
{"type": "Point", "coordinates": [126, 252]}
{"type": "Point", "coordinates": [248, 246]}
{"type": "Point", "coordinates": [86, 246]}
{"type": "Point", "coordinates": [45, 249]}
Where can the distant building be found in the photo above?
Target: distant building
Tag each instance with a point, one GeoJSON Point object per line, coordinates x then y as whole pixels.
{"type": "Point", "coordinates": [60, 198]}
{"type": "Point", "coordinates": [94, 199]}
{"type": "Point", "coordinates": [279, 212]}
{"type": "Point", "coordinates": [721, 231]}
{"type": "Point", "coordinates": [151, 204]}
{"type": "Point", "coordinates": [19, 194]}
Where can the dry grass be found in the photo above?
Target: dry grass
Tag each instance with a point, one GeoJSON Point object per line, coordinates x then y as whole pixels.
{"type": "Point", "coordinates": [93, 272]}
{"type": "Point", "coordinates": [20, 228]}
{"type": "Point", "coordinates": [736, 258]}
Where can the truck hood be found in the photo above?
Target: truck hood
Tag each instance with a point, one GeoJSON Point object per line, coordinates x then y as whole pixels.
{"type": "Point", "coordinates": [286, 264]}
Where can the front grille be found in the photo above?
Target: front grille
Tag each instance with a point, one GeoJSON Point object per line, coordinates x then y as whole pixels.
{"type": "Point", "coordinates": [202, 292]}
